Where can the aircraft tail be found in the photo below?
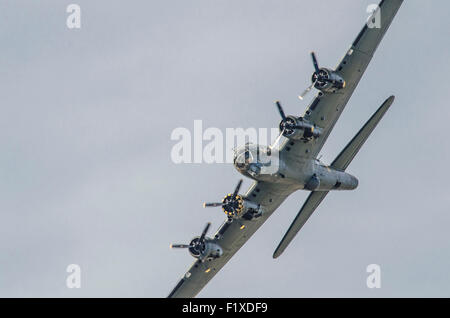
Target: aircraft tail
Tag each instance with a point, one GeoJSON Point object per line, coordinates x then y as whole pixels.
{"type": "Point", "coordinates": [341, 163]}
{"type": "Point", "coordinates": [349, 152]}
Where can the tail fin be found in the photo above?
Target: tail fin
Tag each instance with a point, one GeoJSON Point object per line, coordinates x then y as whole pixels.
{"type": "Point", "coordinates": [349, 152]}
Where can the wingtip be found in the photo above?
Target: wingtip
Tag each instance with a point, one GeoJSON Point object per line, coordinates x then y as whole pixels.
{"type": "Point", "coordinates": [276, 254]}
{"type": "Point", "coordinates": [388, 102]}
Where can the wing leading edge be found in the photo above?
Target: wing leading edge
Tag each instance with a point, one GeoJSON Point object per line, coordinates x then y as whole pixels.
{"type": "Point", "coordinates": [325, 109]}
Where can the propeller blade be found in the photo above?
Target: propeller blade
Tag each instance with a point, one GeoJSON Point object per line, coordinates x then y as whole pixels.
{"type": "Point", "coordinates": [317, 69]}
{"type": "Point", "coordinates": [179, 246]}
{"type": "Point", "coordinates": [278, 139]}
{"type": "Point", "coordinates": [280, 109]}
{"type": "Point", "coordinates": [316, 64]}
{"type": "Point", "coordinates": [212, 205]}
{"type": "Point", "coordinates": [307, 90]}
{"type": "Point", "coordinates": [238, 187]}
{"type": "Point", "coordinates": [205, 230]}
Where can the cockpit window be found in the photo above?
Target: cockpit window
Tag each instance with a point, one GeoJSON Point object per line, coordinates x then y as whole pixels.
{"type": "Point", "coordinates": [244, 158]}
{"type": "Point", "coordinates": [252, 154]}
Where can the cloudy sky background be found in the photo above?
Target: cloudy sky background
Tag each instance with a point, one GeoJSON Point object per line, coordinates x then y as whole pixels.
{"type": "Point", "coordinates": [85, 169]}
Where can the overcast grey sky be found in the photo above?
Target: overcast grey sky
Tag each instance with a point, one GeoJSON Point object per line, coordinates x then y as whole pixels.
{"type": "Point", "coordinates": [85, 124]}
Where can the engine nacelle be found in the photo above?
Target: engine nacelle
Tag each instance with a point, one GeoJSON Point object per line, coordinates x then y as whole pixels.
{"type": "Point", "coordinates": [253, 213]}
{"type": "Point", "coordinates": [239, 207]}
{"type": "Point", "coordinates": [298, 128]}
{"type": "Point", "coordinates": [327, 81]}
{"type": "Point", "coordinates": [204, 250]}
{"type": "Point", "coordinates": [212, 250]}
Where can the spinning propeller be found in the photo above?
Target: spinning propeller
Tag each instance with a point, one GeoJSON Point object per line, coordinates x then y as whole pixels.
{"type": "Point", "coordinates": [232, 204]}
{"type": "Point", "coordinates": [320, 76]}
{"type": "Point", "coordinates": [197, 245]}
{"type": "Point", "coordinates": [287, 124]}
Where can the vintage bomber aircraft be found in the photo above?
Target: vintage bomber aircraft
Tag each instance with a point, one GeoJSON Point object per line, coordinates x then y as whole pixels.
{"type": "Point", "coordinates": [298, 167]}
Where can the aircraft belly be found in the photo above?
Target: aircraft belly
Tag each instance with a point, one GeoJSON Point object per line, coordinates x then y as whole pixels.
{"type": "Point", "coordinates": [324, 112]}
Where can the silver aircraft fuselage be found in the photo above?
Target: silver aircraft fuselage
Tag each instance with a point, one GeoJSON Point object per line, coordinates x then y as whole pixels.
{"type": "Point", "coordinates": [267, 164]}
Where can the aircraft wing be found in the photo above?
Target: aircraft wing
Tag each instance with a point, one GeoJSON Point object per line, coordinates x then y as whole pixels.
{"type": "Point", "coordinates": [231, 237]}
{"type": "Point", "coordinates": [325, 109]}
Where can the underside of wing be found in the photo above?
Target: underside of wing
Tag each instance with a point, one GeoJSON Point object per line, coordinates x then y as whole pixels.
{"type": "Point", "coordinates": [312, 202]}
{"type": "Point", "coordinates": [230, 237]}
{"type": "Point", "coordinates": [326, 108]}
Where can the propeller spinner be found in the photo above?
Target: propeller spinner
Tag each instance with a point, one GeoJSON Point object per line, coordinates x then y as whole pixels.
{"type": "Point", "coordinates": [232, 204]}
{"type": "Point", "coordinates": [197, 245]}
{"type": "Point", "coordinates": [320, 76]}
{"type": "Point", "coordinates": [287, 124]}
{"type": "Point", "coordinates": [202, 247]}
{"type": "Point", "coordinates": [295, 127]}
{"type": "Point", "coordinates": [323, 79]}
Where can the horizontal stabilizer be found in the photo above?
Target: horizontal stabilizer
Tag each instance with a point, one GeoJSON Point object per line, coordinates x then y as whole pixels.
{"type": "Point", "coordinates": [307, 209]}
{"type": "Point", "coordinates": [346, 156]}
{"type": "Point", "coordinates": [341, 163]}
